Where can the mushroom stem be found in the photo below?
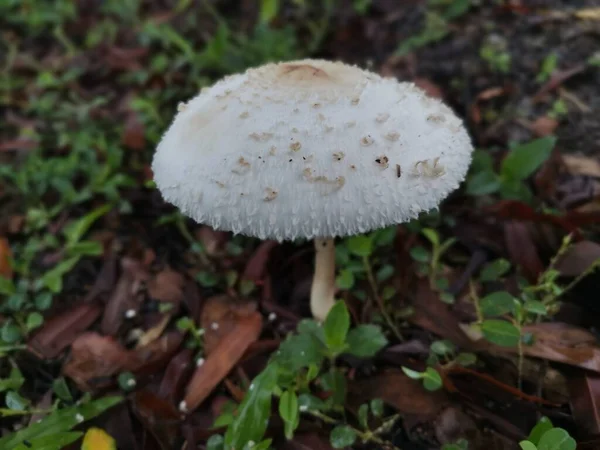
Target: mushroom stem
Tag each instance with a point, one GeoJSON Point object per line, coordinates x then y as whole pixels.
{"type": "Point", "coordinates": [323, 285]}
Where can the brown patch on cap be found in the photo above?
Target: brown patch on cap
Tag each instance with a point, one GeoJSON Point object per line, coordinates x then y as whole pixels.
{"type": "Point", "coordinates": [302, 72]}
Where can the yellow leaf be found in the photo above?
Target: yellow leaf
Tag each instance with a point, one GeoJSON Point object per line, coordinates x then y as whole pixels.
{"type": "Point", "coordinates": [97, 439]}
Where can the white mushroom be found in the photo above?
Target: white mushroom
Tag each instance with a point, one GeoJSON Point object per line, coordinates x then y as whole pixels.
{"type": "Point", "coordinates": [279, 201]}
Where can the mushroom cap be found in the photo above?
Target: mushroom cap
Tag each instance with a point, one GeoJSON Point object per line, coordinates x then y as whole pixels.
{"type": "Point", "coordinates": [309, 149]}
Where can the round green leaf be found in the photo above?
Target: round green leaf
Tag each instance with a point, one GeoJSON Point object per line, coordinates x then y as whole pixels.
{"type": "Point", "coordinates": [360, 245]}
{"type": "Point", "coordinates": [557, 439]}
{"type": "Point", "coordinates": [420, 254]}
{"type": "Point", "coordinates": [527, 445]}
{"type": "Point", "coordinates": [336, 326]}
{"type": "Point", "coordinates": [501, 333]}
{"type": "Point", "coordinates": [342, 436]}
{"type": "Point", "coordinates": [345, 280]}
{"type": "Point", "coordinates": [377, 407]}
{"type": "Point", "coordinates": [432, 381]}
{"type": "Point", "coordinates": [497, 304]}
{"type": "Point", "coordinates": [288, 406]}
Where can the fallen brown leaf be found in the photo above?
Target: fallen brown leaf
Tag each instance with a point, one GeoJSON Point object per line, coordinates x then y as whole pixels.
{"type": "Point", "coordinates": [222, 359]}
{"type": "Point", "coordinates": [59, 332]}
{"type": "Point", "coordinates": [5, 257]}
{"type": "Point", "coordinates": [522, 250]}
{"type": "Point", "coordinates": [95, 359]}
{"type": "Point", "coordinates": [256, 265]}
{"type": "Point", "coordinates": [167, 286]}
{"type": "Point", "coordinates": [485, 95]}
{"type": "Point", "coordinates": [578, 258]}
{"type": "Point", "coordinates": [133, 133]}
{"type": "Point", "coordinates": [127, 295]}
{"type": "Point", "coordinates": [158, 416]}
{"type": "Point", "coordinates": [435, 316]}
{"type": "Point", "coordinates": [544, 126]}
{"type": "Point", "coordinates": [220, 316]}
{"type": "Point", "coordinates": [407, 396]}
{"type": "Point", "coordinates": [582, 165]}
{"type": "Point", "coordinates": [176, 374]}
{"type": "Point", "coordinates": [560, 343]}
{"type": "Point", "coordinates": [584, 389]}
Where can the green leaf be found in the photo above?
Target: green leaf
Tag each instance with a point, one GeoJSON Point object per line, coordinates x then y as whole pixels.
{"type": "Point", "coordinates": [515, 190]}
{"type": "Point", "coordinates": [543, 425]}
{"type": "Point", "coordinates": [264, 445]}
{"type": "Point", "coordinates": [14, 381]}
{"type": "Point", "coordinates": [442, 347]}
{"type": "Point", "coordinates": [86, 248]}
{"type": "Point", "coordinates": [307, 402]}
{"type": "Point", "coordinates": [215, 442]}
{"type": "Point", "coordinates": [345, 280]}
{"type": "Point", "coordinates": [527, 445]}
{"type": "Point", "coordinates": [420, 254]}
{"type": "Point", "coordinates": [363, 415]}
{"type": "Point", "coordinates": [43, 300]}
{"type": "Point", "coordinates": [412, 373]}
{"type": "Point", "coordinates": [53, 278]}
{"type": "Point", "coordinates": [377, 407]}
{"type": "Point", "coordinates": [59, 421]}
{"type": "Point", "coordinates": [497, 304]}
{"type": "Point", "coordinates": [56, 441]}
{"type": "Point", "coordinates": [61, 389]}
{"type": "Point", "coordinates": [360, 245]}
{"type": "Point", "coordinates": [501, 333]}
{"type": "Point", "coordinates": [494, 270]}
{"type": "Point", "coordinates": [432, 381]}
{"type": "Point", "coordinates": [525, 159]}
{"type": "Point", "coordinates": [432, 236]}
{"type": "Point", "coordinates": [10, 332]}
{"type": "Point", "coordinates": [466, 359]}
{"type": "Point", "coordinates": [300, 351]}
{"type": "Point", "coordinates": [268, 10]}
{"type": "Point", "coordinates": [76, 230]}
{"type": "Point", "coordinates": [365, 341]}
{"type": "Point", "coordinates": [336, 326]}
{"type": "Point", "coordinates": [7, 287]}
{"type": "Point", "coordinates": [335, 382]}
{"type": "Point", "coordinates": [557, 439]}
{"type": "Point", "coordinates": [252, 419]}
{"type": "Point", "coordinates": [126, 381]}
{"type": "Point", "coordinates": [535, 307]}
{"type": "Point", "coordinates": [34, 320]}
{"type": "Point", "coordinates": [385, 236]}
{"type": "Point", "coordinates": [207, 279]}
{"type": "Point", "coordinates": [288, 411]}
{"type": "Point", "coordinates": [385, 272]}
{"type": "Point", "coordinates": [15, 401]}
{"type": "Point", "coordinates": [342, 436]}
{"type": "Point", "coordinates": [483, 183]}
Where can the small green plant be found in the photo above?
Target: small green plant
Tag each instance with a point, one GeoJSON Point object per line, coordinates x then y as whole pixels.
{"type": "Point", "coordinates": [430, 263]}
{"type": "Point", "coordinates": [501, 315]}
{"type": "Point", "coordinates": [559, 109]}
{"type": "Point", "coordinates": [305, 362]}
{"type": "Point", "coordinates": [53, 432]}
{"type": "Point", "coordinates": [519, 164]}
{"type": "Point", "coordinates": [544, 436]}
{"type": "Point", "coordinates": [357, 261]}
{"type": "Point", "coordinates": [548, 67]}
{"type": "Point", "coordinates": [437, 17]}
{"type": "Point", "coordinates": [495, 53]}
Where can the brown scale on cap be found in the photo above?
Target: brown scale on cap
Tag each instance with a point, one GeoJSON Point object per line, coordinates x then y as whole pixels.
{"type": "Point", "coordinates": [301, 72]}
